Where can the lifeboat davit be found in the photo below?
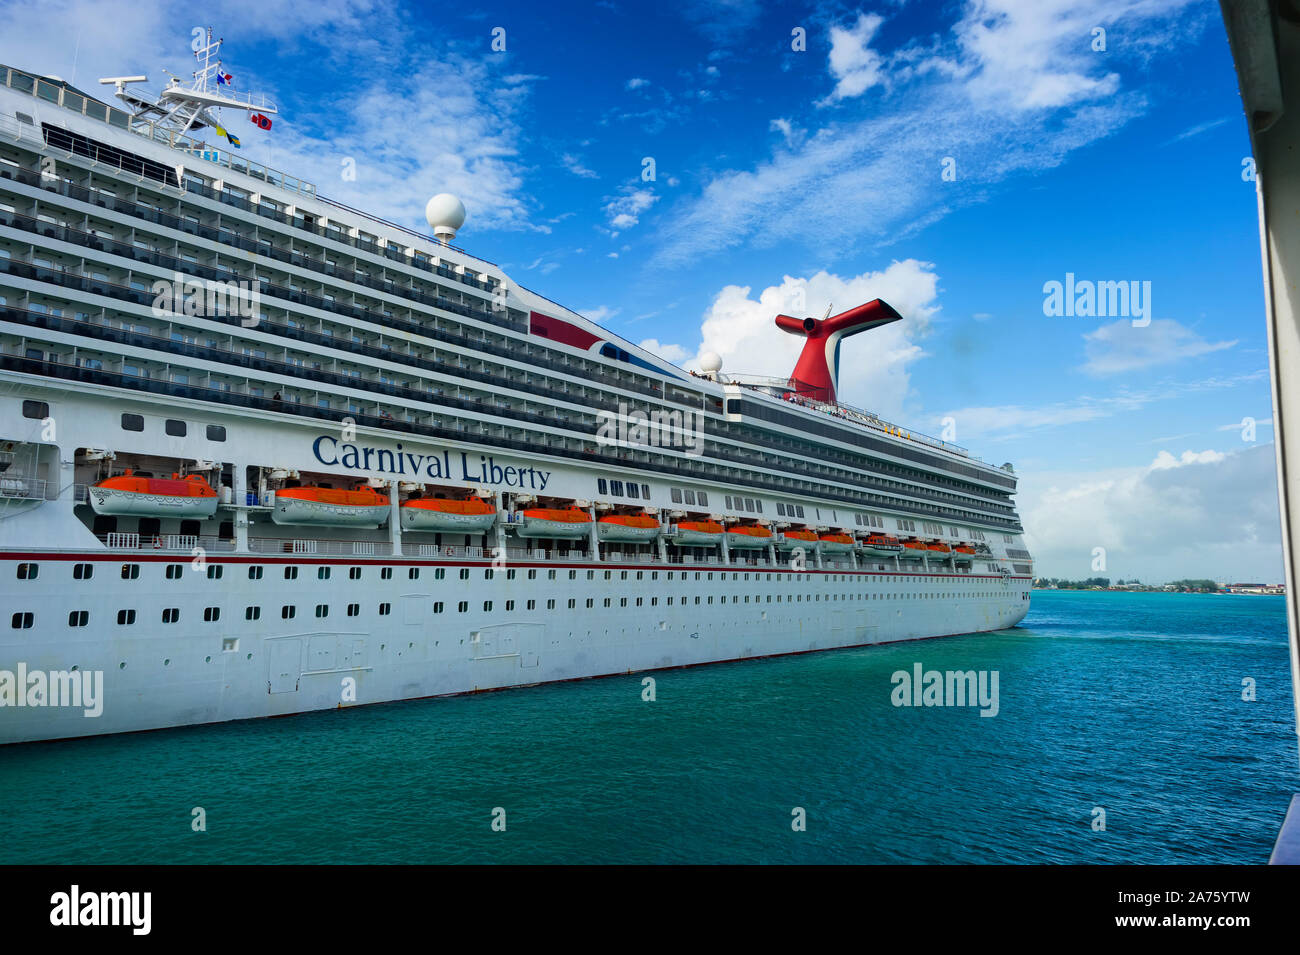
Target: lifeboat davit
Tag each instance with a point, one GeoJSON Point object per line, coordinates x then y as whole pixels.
{"type": "Point", "coordinates": [567, 522]}
{"type": "Point", "coordinates": [790, 539]}
{"type": "Point", "coordinates": [696, 534]}
{"type": "Point", "coordinates": [912, 550]}
{"type": "Point", "coordinates": [633, 528]}
{"type": "Point", "coordinates": [748, 536]}
{"type": "Point", "coordinates": [837, 543]}
{"type": "Point", "coordinates": [328, 506]}
{"type": "Point", "coordinates": [881, 545]}
{"type": "Point", "coordinates": [964, 553]}
{"type": "Point", "coordinates": [129, 495]}
{"type": "Point", "coordinates": [471, 516]}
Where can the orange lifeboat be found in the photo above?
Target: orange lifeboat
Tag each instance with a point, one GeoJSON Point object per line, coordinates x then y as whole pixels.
{"type": "Point", "coordinates": [567, 522]}
{"type": "Point", "coordinates": [837, 543]}
{"type": "Point", "coordinates": [881, 545]}
{"type": "Point", "coordinates": [469, 516]}
{"type": "Point", "coordinates": [130, 494]}
{"type": "Point", "coordinates": [964, 553]}
{"type": "Point", "coordinates": [748, 536]}
{"type": "Point", "coordinates": [912, 549]}
{"type": "Point", "coordinates": [696, 533]}
{"type": "Point", "coordinates": [790, 539]}
{"type": "Point", "coordinates": [330, 506]}
{"type": "Point", "coordinates": [633, 528]}
{"type": "Point", "coordinates": [939, 547]}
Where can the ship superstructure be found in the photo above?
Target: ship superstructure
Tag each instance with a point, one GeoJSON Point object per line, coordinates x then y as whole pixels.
{"type": "Point", "coordinates": [261, 453]}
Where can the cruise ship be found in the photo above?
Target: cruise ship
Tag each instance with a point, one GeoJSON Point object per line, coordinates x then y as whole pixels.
{"type": "Point", "coordinates": [262, 453]}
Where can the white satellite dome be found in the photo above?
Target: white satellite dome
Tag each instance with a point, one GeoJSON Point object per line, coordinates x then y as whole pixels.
{"type": "Point", "coordinates": [711, 363]}
{"type": "Point", "coordinates": [445, 214]}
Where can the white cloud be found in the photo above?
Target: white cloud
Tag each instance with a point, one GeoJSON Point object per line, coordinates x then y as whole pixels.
{"type": "Point", "coordinates": [855, 66]}
{"type": "Point", "coordinates": [1202, 514]}
{"type": "Point", "coordinates": [575, 166]}
{"type": "Point", "coordinates": [1007, 421]}
{"type": "Point", "coordinates": [624, 210]}
{"type": "Point", "coordinates": [636, 82]}
{"type": "Point", "coordinates": [1121, 346]}
{"type": "Point", "coordinates": [673, 353]}
{"type": "Point", "coordinates": [1164, 460]}
{"type": "Point", "coordinates": [600, 314]}
{"type": "Point", "coordinates": [1013, 89]}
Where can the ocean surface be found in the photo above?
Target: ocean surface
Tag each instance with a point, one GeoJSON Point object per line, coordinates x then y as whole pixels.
{"type": "Point", "coordinates": [1131, 703]}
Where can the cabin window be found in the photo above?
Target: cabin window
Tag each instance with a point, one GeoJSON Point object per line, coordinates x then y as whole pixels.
{"type": "Point", "coordinates": [175, 428]}
{"type": "Point", "coordinates": [83, 571]}
{"type": "Point", "coordinates": [216, 432]}
{"type": "Point", "coordinates": [24, 620]}
{"type": "Point", "coordinates": [132, 422]}
{"type": "Point", "coordinates": [676, 495]}
{"type": "Point", "coordinates": [602, 486]}
{"type": "Point", "coordinates": [28, 571]}
{"type": "Point", "coordinates": [36, 409]}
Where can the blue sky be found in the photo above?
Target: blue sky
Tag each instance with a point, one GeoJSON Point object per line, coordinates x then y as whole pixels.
{"type": "Point", "coordinates": [791, 180]}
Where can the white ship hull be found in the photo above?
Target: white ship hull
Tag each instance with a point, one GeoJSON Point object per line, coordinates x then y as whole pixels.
{"type": "Point", "coordinates": [196, 672]}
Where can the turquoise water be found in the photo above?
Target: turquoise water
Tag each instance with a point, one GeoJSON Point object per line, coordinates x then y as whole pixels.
{"type": "Point", "coordinates": [1129, 702]}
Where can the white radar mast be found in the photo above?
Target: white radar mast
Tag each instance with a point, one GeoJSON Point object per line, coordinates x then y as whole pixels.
{"type": "Point", "coordinates": [182, 107]}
